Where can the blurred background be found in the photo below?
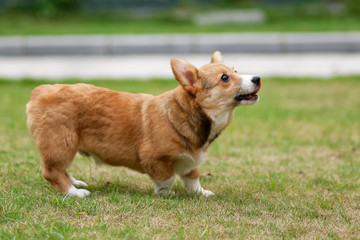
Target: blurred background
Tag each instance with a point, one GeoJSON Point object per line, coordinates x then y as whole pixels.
{"type": "Point", "coordinates": [57, 39]}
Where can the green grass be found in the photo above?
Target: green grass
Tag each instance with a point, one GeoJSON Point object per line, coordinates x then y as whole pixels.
{"type": "Point", "coordinates": [287, 167]}
{"type": "Point", "coordinates": [26, 25]}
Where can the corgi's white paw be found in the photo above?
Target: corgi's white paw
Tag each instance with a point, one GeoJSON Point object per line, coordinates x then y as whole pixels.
{"type": "Point", "coordinates": [193, 185]}
{"type": "Point", "coordinates": [207, 193]}
{"type": "Point", "coordinates": [77, 183]}
{"type": "Point", "coordinates": [74, 192]}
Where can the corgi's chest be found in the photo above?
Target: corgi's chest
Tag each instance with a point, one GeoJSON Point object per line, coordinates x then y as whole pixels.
{"type": "Point", "coordinates": [219, 123]}
{"type": "Point", "coordinates": [187, 162]}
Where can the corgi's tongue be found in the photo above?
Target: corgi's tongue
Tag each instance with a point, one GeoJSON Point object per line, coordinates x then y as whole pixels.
{"type": "Point", "coordinates": [256, 91]}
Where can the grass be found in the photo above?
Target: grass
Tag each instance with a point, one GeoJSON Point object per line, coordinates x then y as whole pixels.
{"type": "Point", "coordinates": [26, 25]}
{"type": "Point", "coordinates": [287, 167]}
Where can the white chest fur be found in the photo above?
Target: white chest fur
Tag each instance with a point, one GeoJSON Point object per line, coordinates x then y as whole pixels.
{"type": "Point", "coordinates": [187, 163]}
{"type": "Point", "coordinates": [219, 122]}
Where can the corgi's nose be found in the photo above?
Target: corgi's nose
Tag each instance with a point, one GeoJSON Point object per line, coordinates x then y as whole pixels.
{"type": "Point", "coordinates": [256, 80]}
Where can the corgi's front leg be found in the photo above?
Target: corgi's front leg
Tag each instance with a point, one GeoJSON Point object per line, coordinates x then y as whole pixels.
{"type": "Point", "coordinates": [163, 188]}
{"type": "Point", "coordinates": [161, 174]}
{"type": "Point", "coordinates": [191, 183]}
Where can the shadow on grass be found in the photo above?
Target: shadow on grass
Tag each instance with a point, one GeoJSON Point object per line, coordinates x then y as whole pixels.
{"type": "Point", "coordinates": [117, 189]}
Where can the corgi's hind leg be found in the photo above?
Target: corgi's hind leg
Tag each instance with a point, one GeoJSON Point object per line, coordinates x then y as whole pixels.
{"type": "Point", "coordinates": [58, 179]}
{"type": "Point", "coordinates": [57, 154]}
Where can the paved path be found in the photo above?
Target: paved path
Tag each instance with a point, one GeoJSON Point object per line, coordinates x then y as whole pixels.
{"type": "Point", "coordinates": [158, 66]}
{"type": "Point", "coordinates": [181, 43]}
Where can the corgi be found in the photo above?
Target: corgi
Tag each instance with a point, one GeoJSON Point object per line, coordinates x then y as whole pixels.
{"type": "Point", "coordinates": [161, 136]}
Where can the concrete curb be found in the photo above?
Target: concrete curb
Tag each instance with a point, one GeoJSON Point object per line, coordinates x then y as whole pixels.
{"type": "Point", "coordinates": [142, 67]}
{"type": "Point", "coordinates": [334, 42]}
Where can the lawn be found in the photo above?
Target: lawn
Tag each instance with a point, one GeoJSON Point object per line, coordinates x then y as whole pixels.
{"type": "Point", "coordinates": [287, 167]}
{"type": "Point", "coordinates": [27, 25]}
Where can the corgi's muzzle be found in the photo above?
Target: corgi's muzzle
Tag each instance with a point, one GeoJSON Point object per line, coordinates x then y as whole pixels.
{"type": "Point", "coordinates": [250, 85]}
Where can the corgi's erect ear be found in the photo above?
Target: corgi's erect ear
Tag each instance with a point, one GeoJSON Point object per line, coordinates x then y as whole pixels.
{"type": "Point", "coordinates": [217, 57]}
{"type": "Point", "coordinates": [186, 74]}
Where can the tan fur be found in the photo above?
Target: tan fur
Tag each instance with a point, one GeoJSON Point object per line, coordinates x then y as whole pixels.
{"type": "Point", "coordinates": [139, 131]}
{"type": "Point", "coordinates": [194, 174]}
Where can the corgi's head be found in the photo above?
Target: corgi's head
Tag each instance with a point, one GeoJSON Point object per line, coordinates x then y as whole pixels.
{"type": "Point", "coordinates": [216, 85]}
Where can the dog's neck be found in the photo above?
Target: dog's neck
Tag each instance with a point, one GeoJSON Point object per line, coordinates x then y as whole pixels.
{"type": "Point", "coordinates": [200, 128]}
{"type": "Point", "coordinates": [188, 119]}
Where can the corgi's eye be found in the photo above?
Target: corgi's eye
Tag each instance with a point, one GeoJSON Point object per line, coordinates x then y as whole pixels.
{"type": "Point", "coordinates": [235, 71]}
{"type": "Point", "coordinates": [225, 78]}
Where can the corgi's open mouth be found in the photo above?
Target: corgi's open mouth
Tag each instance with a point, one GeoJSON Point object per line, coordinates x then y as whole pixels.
{"type": "Point", "coordinates": [249, 97]}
